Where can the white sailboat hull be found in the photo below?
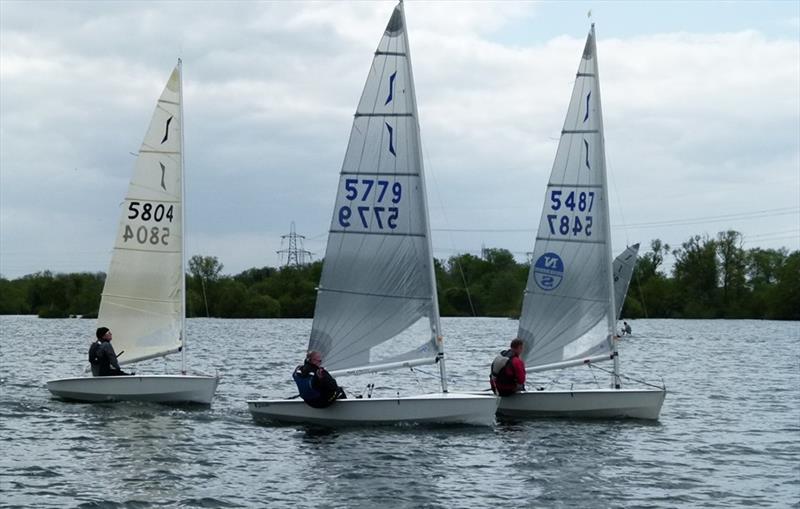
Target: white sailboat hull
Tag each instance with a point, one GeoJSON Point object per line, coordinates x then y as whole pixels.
{"type": "Point", "coordinates": [585, 403]}
{"type": "Point", "coordinates": [151, 388]}
{"type": "Point", "coordinates": [445, 408]}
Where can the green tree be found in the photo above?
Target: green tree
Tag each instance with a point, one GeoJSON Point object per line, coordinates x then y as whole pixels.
{"type": "Point", "coordinates": [763, 267]}
{"type": "Point", "coordinates": [696, 275]}
{"type": "Point", "coordinates": [733, 268]}
{"type": "Point", "coordinates": [785, 295]}
{"type": "Point", "coordinates": [13, 299]}
{"type": "Point", "coordinates": [202, 285]}
{"type": "Point", "coordinates": [647, 264]}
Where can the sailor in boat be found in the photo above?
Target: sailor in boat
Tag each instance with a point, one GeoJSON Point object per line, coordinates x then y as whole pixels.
{"type": "Point", "coordinates": [316, 386]}
{"type": "Point", "coordinates": [626, 329]}
{"type": "Point", "coordinates": [106, 358]}
{"type": "Point", "coordinates": [94, 350]}
{"type": "Point", "coordinates": [508, 370]}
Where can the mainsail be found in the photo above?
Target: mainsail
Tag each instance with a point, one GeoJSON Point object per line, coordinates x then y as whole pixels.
{"type": "Point", "coordinates": [142, 300]}
{"type": "Point", "coordinates": [377, 277]}
{"type": "Point", "coordinates": [624, 264]}
{"type": "Point", "coordinates": [568, 300]}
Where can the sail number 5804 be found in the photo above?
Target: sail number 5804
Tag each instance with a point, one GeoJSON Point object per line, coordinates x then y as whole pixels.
{"type": "Point", "coordinates": [149, 212]}
{"type": "Point", "coordinates": [145, 235]}
{"type": "Point", "coordinates": [360, 190]}
{"type": "Point", "coordinates": [566, 223]}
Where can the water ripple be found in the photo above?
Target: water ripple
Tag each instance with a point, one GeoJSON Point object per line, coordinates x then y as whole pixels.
{"type": "Point", "coordinates": [728, 436]}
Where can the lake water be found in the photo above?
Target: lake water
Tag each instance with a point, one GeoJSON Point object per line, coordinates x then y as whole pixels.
{"type": "Point", "coordinates": [729, 433]}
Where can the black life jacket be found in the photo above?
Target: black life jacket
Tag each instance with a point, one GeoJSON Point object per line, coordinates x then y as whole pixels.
{"type": "Point", "coordinates": [104, 362]}
{"type": "Point", "coordinates": [94, 358]}
{"type": "Point", "coordinates": [503, 370]}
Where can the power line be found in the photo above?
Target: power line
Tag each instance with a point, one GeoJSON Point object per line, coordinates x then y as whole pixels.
{"type": "Point", "coordinates": [672, 222]}
{"type": "Point", "coordinates": [711, 219]}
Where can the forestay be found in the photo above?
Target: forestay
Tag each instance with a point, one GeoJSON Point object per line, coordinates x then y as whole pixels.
{"type": "Point", "coordinates": [377, 279]}
{"type": "Point", "coordinates": [142, 300]}
{"type": "Point", "coordinates": [568, 300]}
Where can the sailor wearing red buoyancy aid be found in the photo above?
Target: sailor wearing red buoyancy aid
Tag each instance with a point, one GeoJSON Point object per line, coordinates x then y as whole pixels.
{"type": "Point", "coordinates": [508, 370]}
{"type": "Point", "coordinates": [315, 385]}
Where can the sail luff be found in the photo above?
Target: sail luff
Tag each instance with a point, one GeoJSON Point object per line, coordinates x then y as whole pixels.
{"type": "Point", "coordinates": [183, 220]}
{"type": "Point", "coordinates": [611, 316]}
{"type": "Point", "coordinates": [435, 320]}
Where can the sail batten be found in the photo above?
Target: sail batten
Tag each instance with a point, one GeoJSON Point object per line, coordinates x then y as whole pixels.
{"type": "Point", "coordinates": [384, 115]}
{"type": "Point", "coordinates": [153, 151]}
{"type": "Point", "coordinates": [374, 233]}
{"type": "Point", "coordinates": [369, 174]}
{"type": "Point", "coordinates": [387, 295]}
{"type": "Point", "coordinates": [574, 241]}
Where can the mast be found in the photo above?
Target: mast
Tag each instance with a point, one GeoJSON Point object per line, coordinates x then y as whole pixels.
{"type": "Point", "coordinates": [611, 311]}
{"type": "Point", "coordinates": [183, 227]}
{"type": "Point", "coordinates": [435, 321]}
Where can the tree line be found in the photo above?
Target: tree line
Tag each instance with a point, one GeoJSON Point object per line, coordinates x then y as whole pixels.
{"type": "Point", "coordinates": [711, 278]}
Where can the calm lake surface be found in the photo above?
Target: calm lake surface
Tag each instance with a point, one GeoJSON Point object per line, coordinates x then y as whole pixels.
{"type": "Point", "coordinates": [729, 434]}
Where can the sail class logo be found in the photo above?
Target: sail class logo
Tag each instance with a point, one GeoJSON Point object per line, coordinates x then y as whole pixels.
{"type": "Point", "coordinates": [548, 271]}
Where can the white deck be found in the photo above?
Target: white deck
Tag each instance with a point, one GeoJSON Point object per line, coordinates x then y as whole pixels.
{"type": "Point", "coordinates": [456, 408]}
{"type": "Point", "coordinates": [154, 388]}
{"type": "Point", "coordinates": [585, 403]}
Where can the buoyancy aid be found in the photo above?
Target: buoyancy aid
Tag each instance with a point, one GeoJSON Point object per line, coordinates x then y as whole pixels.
{"type": "Point", "coordinates": [502, 370]}
{"type": "Point", "coordinates": [94, 359]}
{"type": "Point", "coordinates": [305, 384]}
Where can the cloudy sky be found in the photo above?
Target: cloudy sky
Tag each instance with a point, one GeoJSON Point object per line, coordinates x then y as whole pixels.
{"type": "Point", "coordinates": [701, 105]}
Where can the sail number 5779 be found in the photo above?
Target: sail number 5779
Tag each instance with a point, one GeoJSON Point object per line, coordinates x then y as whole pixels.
{"type": "Point", "coordinates": [568, 223]}
{"type": "Point", "coordinates": [374, 192]}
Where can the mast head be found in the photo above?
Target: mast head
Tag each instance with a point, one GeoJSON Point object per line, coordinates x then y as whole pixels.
{"type": "Point", "coordinates": [396, 22]}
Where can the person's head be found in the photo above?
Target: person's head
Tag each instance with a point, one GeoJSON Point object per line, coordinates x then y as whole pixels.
{"type": "Point", "coordinates": [314, 357]}
{"type": "Point", "coordinates": [517, 345]}
{"type": "Point", "coordinates": [103, 333]}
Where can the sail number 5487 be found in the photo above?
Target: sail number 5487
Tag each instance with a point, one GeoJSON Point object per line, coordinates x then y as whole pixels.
{"type": "Point", "coordinates": [583, 201]}
{"type": "Point", "coordinates": [566, 223]}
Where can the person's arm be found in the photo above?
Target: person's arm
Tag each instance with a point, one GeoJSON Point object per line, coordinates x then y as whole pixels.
{"type": "Point", "coordinates": [112, 356]}
{"type": "Point", "coordinates": [519, 370]}
{"type": "Point", "coordinates": [327, 384]}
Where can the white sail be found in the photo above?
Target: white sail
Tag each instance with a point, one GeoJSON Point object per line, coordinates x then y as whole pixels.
{"type": "Point", "coordinates": [624, 264]}
{"type": "Point", "coordinates": [377, 277]}
{"type": "Point", "coordinates": [574, 292]}
{"type": "Point", "coordinates": [377, 295]}
{"type": "Point", "coordinates": [566, 302]}
{"type": "Point", "coordinates": [142, 300]}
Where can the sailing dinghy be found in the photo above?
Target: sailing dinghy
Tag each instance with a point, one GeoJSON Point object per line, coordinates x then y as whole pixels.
{"type": "Point", "coordinates": [569, 314]}
{"type": "Point", "coordinates": [378, 276]}
{"type": "Point", "coordinates": [144, 297]}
